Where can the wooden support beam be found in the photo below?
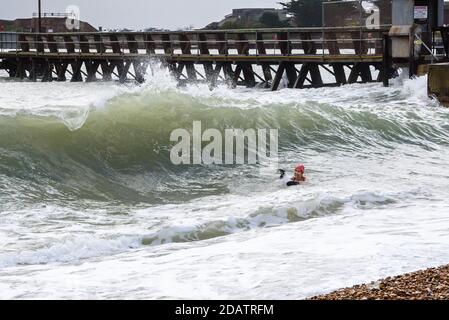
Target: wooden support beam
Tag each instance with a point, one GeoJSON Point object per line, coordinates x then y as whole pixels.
{"type": "Point", "coordinates": [278, 77]}
{"type": "Point", "coordinates": [20, 70]}
{"type": "Point", "coordinates": [107, 69]}
{"type": "Point", "coordinates": [248, 75]}
{"type": "Point", "coordinates": [355, 73]}
{"type": "Point", "coordinates": [140, 68]}
{"type": "Point", "coordinates": [200, 74]}
{"type": "Point", "coordinates": [132, 75]}
{"type": "Point", "coordinates": [386, 61]}
{"type": "Point", "coordinates": [91, 68]}
{"type": "Point", "coordinates": [261, 50]}
{"type": "Point", "coordinates": [61, 69]}
{"type": "Point", "coordinates": [209, 71]}
{"type": "Point", "coordinates": [76, 68]}
{"type": "Point", "coordinates": [361, 70]}
{"type": "Point", "coordinates": [258, 77]}
{"type": "Point", "coordinates": [328, 70]}
{"type": "Point", "coordinates": [177, 71]}
{"type": "Point", "coordinates": [172, 68]}
{"type": "Point", "coordinates": [291, 74]}
{"type": "Point", "coordinates": [47, 75]}
{"type": "Point", "coordinates": [339, 73]}
{"type": "Point", "coordinates": [186, 48]}
{"type": "Point", "coordinates": [247, 69]}
{"type": "Point", "coordinates": [214, 76]}
{"type": "Point", "coordinates": [267, 74]}
{"type": "Point", "coordinates": [122, 69]}
{"type": "Point", "coordinates": [315, 74]}
{"type": "Point", "coordinates": [445, 38]}
{"type": "Point", "coordinates": [10, 66]}
{"type": "Point", "coordinates": [33, 70]}
{"type": "Point", "coordinates": [302, 76]}
{"type": "Point", "coordinates": [229, 75]}
{"type": "Point", "coordinates": [365, 72]}
{"type": "Point", "coordinates": [191, 71]}
{"type": "Point", "coordinates": [237, 72]}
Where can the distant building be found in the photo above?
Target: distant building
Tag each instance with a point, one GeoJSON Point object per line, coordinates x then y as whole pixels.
{"type": "Point", "coordinates": [50, 23]}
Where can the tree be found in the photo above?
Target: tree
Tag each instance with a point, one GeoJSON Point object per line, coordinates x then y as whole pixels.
{"type": "Point", "coordinates": [271, 20]}
{"type": "Point", "coordinates": [307, 13]}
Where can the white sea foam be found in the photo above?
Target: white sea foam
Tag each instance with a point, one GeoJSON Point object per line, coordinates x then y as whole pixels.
{"type": "Point", "coordinates": [367, 212]}
{"type": "Point", "coordinates": [70, 250]}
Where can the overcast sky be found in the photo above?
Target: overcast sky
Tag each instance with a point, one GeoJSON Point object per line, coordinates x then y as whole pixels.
{"type": "Point", "coordinates": [137, 14]}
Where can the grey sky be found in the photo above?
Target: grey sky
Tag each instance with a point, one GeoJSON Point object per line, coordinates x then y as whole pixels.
{"type": "Point", "coordinates": [137, 14]}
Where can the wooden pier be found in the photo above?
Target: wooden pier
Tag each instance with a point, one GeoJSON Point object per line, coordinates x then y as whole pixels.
{"type": "Point", "coordinates": [241, 57]}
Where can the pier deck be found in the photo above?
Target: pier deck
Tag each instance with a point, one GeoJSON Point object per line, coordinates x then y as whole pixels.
{"type": "Point", "coordinates": [237, 57]}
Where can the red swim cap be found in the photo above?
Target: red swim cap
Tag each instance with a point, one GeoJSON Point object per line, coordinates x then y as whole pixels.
{"type": "Point", "coordinates": [300, 168]}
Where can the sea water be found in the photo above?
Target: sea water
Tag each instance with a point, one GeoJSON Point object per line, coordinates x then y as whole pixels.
{"type": "Point", "coordinates": [91, 206]}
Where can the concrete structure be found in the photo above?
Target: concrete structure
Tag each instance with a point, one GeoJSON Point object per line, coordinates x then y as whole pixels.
{"type": "Point", "coordinates": [402, 13]}
{"type": "Point", "coordinates": [413, 30]}
{"type": "Point", "coordinates": [438, 82]}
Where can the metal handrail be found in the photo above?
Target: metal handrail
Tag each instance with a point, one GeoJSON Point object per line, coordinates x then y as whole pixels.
{"type": "Point", "coordinates": [36, 40]}
{"type": "Point", "coordinates": [229, 31]}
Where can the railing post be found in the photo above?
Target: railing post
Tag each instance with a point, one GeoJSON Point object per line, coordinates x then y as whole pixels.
{"type": "Point", "coordinates": [386, 60]}
{"type": "Point", "coordinates": [226, 44]}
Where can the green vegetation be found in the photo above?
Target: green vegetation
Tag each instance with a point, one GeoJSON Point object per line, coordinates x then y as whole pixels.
{"type": "Point", "coordinates": [271, 20]}
{"type": "Point", "coordinates": [307, 13]}
{"type": "Point", "coordinates": [239, 24]}
{"type": "Point", "coordinates": [267, 20]}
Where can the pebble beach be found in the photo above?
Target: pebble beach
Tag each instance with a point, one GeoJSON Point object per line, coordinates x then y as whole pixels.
{"type": "Point", "coordinates": [429, 284]}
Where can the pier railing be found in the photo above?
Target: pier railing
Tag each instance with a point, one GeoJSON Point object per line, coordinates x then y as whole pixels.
{"type": "Point", "coordinates": [264, 42]}
{"type": "Point", "coordinates": [307, 57]}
